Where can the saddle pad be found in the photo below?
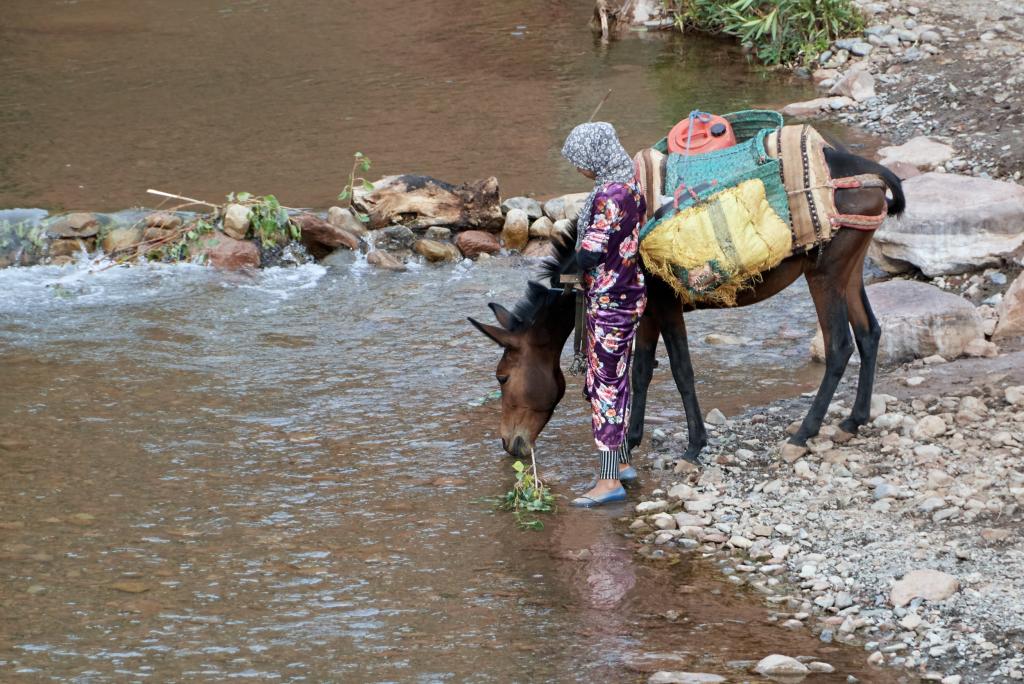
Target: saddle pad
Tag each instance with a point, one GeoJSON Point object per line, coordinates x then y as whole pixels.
{"type": "Point", "coordinates": [710, 251]}
{"type": "Point", "coordinates": [650, 169]}
{"type": "Point", "coordinates": [800, 151]}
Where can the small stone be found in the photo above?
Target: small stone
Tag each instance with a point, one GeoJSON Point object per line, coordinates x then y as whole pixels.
{"type": "Point", "coordinates": [36, 589]}
{"type": "Point", "coordinates": [516, 233]}
{"type": "Point", "coordinates": [1014, 395]}
{"type": "Point", "coordinates": [681, 492]}
{"type": "Point", "coordinates": [981, 348]}
{"type": "Point", "coordinates": [876, 658]}
{"type": "Point", "coordinates": [779, 665]}
{"type": "Point", "coordinates": [911, 622]}
{"type": "Point", "coordinates": [236, 221]}
{"type": "Point", "coordinates": [819, 666]}
{"type": "Point", "coordinates": [929, 427]}
{"type": "Point", "coordinates": [791, 453]}
{"type": "Point", "coordinates": [530, 206]}
{"type": "Point", "coordinates": [914, 381]}
{"type": "Point", "coordinates": [542, 228]}
{"type": "Point", "coordinates": [740, 542]}
{"type": "Point", "coordinates": [715, 417]}
{"type": "Point", "coordinates": [651, 507]}
{"type": "Point", "coordinates": [666, 677]}
{"type": "Point", "coordinates": [439, 233]}
{"type": "Point", "coordinates": [130, 586]}
{"type": "Point", "coordinates": [385, 261]}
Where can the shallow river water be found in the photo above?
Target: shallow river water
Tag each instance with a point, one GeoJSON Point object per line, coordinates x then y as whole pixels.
{"type": "Point", "coordinates": [286, 475]}
{"type": "Point", "coordinates": [280, 476]}
{"type": "Point", "coordinates": [102, 99]}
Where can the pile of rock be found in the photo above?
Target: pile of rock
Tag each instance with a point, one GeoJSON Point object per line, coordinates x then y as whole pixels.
{"type": "Point", "coordinates": [905, 538]}
{"type": "Point", "coordinates": [407, 217]}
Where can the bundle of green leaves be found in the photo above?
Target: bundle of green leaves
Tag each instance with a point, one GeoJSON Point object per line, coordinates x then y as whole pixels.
{"type": "Point", "coordinates": [527, 497]}
{"type": "Point", "coordinates": [777, 31]}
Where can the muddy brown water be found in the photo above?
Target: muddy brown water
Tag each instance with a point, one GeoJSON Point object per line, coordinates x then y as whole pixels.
{"type": "Point", "coordinates": [100, 99]}
{"type": "Point", "coordinates": [279, 476]}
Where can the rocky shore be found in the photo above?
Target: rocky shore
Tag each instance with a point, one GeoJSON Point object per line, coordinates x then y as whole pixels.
{"type": "Point", "coordinates": [952, 70]}
{"type": "Point", "coordinates": [904, 539]}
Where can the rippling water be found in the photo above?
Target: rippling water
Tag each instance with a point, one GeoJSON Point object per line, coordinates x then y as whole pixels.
{"type": "Point", "coordinates": [288, 468]}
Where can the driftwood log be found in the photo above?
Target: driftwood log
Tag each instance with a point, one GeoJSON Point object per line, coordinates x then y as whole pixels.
{"type": "Point", "coordinates": [421, 202]}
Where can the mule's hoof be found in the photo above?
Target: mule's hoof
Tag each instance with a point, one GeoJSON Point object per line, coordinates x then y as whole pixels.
{"type": "Point", "coordinates": [842, 436]}
{"type": "Point", "coordinates": [791, 453]}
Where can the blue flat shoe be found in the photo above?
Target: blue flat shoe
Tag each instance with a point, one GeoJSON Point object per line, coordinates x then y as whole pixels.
{"type": "Point", "coordinates": [594, 501]}
{"type": "Point", "coordinates": [627, 476]}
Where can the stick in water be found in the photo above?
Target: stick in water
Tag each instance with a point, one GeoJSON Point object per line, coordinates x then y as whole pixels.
{"type": "Point", "coordinates": [599, 105]}
{"type": "Point", "coordinates": [187, 199]}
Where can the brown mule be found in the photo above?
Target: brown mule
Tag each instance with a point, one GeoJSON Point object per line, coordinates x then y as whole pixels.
{"type": "Point", "coordinates": [534, 332]}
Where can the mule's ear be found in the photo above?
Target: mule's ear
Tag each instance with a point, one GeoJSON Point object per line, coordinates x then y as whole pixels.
{"type": "Point", "coordinates": [499, 335]}
{"type": "Point", "coordinates": [542, 293]}
{"type": "Point", "coordinates": [506, 318]}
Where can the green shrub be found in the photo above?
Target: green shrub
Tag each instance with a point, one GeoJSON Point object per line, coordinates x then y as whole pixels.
{"type": "Point", "coordinates": [777, 31]}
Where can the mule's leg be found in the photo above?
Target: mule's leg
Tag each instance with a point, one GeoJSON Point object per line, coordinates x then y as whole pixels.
{"type": "Point", "coordinates": [673, 331]}
{"type": "Point", "coordinates": [644, 350]}
{"type": "Point", "coordinates": [867, 333]}
{"type": "Point", "coordinates": [829, 294]}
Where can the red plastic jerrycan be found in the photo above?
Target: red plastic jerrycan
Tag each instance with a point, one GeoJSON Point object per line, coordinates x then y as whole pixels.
{"type": "Point", "coordinates": [700, 133]}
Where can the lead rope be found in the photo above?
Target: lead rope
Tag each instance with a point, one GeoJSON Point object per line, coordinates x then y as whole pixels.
{"type": "Point", "coordinates": [579, 356]}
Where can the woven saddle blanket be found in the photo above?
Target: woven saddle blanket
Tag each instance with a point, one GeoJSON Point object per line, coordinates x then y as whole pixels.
{"type": "Point", "coordinates": [716, 221]}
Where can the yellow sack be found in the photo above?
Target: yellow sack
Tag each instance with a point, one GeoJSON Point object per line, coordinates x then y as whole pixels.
{"type": "Point", "coordinates": [710, 251]}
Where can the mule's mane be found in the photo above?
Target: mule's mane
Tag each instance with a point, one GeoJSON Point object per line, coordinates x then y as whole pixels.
{"type": "Point", "coordinates": [528, 309]}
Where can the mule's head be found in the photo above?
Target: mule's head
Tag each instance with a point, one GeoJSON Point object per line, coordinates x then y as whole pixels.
{"type": "Point", "coordinates": [529, 373]}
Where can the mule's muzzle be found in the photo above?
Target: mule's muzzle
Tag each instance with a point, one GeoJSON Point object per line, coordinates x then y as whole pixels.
{"type": "Point", "coordinates": [519, 447]}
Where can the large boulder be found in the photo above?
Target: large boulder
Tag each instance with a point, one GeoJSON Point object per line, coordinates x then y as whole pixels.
{"type": "Point", "coordinates": [918, 320]}
{"type": "Point", "coordinates": [473, 243]}
{"type": "Point", "coordinates": [539, 249]}
{"type": "Point", "coordinates": [421, 202]}
{"type": "Point", "coordinates": [1011, 311]}
{"type": "Point", "coordinates": [222, 251]}
{"type": "Point", "coordinates": [922, 152]}
{"type": "Point", "coordinates": [952, 224]}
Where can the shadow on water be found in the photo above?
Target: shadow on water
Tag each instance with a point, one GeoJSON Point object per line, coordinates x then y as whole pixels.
{"type": "Point", "coordinates": [192, 492]}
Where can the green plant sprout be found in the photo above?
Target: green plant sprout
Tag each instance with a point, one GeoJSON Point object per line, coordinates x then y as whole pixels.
{"type": "Point", "coordinates": [360, 162]}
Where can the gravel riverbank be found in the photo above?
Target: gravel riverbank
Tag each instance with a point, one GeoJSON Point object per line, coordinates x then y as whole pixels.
{"type": "Point", "coordinates": [948, 69]}
{"type": "Point", "coordinates": [905, 539]}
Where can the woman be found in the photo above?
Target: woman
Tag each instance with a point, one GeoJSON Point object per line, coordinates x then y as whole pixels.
{"type": "Point", "coordinates": [606, 249]}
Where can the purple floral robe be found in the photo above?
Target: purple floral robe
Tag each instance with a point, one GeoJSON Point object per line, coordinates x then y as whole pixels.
{"type": "Point", "coordinates": [616, 297]}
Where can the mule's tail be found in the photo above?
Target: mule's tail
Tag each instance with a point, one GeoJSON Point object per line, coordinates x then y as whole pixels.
{"type": "Point", "coordinates": [842, 163]}
{"type": "Point", "coordinates": [898, 202]}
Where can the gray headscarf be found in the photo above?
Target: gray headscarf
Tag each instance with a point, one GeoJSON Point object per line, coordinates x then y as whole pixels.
{"type": "Point", "coordinates": [595, 147]}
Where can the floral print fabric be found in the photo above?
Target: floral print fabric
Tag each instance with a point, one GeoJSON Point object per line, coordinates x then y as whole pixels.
{"type": "Point", "coordinates": [616, 297]}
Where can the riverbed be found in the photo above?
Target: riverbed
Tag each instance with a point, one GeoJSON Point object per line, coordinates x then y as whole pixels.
{"type": "Point", "coordinates": [286, 476]}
